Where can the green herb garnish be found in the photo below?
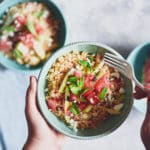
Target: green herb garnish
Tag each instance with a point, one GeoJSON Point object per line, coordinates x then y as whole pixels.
{"type": "Point", "coordinates": [17, 54]}
{"type": "Point", "coordinates": [74, 109]}
{"type": "Point", "coordinates": [78, 86]}
{"type": "Point", "coordinates": [8, 29]}
{"type": "Point", "coordinates": [73, 79]}
{"type": "Point", "coordinates": [80, 83]}
{"type": "Point", "coordinates": [85, 64]}
{"type": "Point", "coordinates": [91, 58]}
{"type": "Point", "coordinates": [103, 93]}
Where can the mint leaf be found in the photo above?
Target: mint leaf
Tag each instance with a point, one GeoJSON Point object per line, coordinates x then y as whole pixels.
{"type": "Point", "coordinates": [8, 28]}
{"type": "Point", "coordinates": [103, 93]}
{"type": "Point", "coordinates": [73, 79]}
{"type": "Point", "coordinates": [85, 64]}
{"type": "Point", "coordinates": [91, 58]}
{"type": "Point", "coordinates": [74, 109]}
{"type": "Point", "coordinates": [81, 83]}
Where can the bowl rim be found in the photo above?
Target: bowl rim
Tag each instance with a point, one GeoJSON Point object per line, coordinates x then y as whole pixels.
{"type": "Point", "coordinates": [132, 54]}
{"type": "Point", "coordinates": [35, 68]}
{"type": "Point", "coordinates": [59, 129]}
{"type": "Point", "coordinates": [136, 50]}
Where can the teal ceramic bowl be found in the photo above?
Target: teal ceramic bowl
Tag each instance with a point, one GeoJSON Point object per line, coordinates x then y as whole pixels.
{"type": "Point", "coordinates": [6, 4]}
{"type": "Point", "coordinates": [106, 127]}
{"type": "Point", "coordinates": [137, 59]}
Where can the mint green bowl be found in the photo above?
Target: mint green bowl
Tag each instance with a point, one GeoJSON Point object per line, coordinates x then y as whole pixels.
{"type": "Point", "coordinates": [5, 4]}
{"type": "Point", "coordinates": [137, 59]}
{"type": "Point", "coordinates": [107, 126]}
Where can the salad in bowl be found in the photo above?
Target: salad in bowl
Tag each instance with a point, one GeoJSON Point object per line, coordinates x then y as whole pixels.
{"type": "Point", "coordinates": [80, 95]}
{"type": "Point", "coordinates": [29, 33]}
{"type": "Point", "coordinates": [83, 91]}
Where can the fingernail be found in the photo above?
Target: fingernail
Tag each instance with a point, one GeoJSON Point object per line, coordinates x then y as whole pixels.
{"type": "Point", "coordinates": [31, 80]}
{"type": "Point", "coordinates": [31, 77]}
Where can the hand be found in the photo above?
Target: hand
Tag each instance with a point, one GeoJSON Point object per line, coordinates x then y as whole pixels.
{"type": "Point", "coordinates": [145, 129]}
{"type": "Point", "coordinates": [41, 136]}
{"type": "Point", "coordinates": [139, 93]}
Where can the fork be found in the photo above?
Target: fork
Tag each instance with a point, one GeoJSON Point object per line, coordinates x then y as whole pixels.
{"type": "Point", "coordinates": [124, 67]}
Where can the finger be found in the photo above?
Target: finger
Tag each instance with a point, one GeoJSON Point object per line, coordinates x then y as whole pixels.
{"type": "Point", "coordinates": [34, 117]}
{"type": "Point", "coordinates": [139, 96]}
{"type": "Point", "coordinates": [31, 96]}
{"type": "Point", "coordinates": [139, 93]}
{"type": "Point", "coordinates": [61, 136]}
{"type": "Point", "coordinates": [32, 112]}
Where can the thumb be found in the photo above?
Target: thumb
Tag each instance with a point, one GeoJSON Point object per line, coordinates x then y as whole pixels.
{"type": "Point", "coordinates": [31, 96]}
{"type": "Point", "coordinates": [32, 112]}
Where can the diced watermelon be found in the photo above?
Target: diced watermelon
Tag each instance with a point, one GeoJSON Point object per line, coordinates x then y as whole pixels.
{"type": "Point", "coordinates": [20, 22]}
{"type": "Point", "coordinates": [115, 84]}
{"type": "Point", "coordinates": [52, 104]}
{"type": "Point", "coordinates": [27, 38]}
{"type": "Point", "coordinates": [88, 92]}
{"type": "Point", "coordinates": [93, 99]}
{"type": "Point", "coordinates": [5, 46]}
{"type": "Point", "coordinates": [81, 105]}
{"type": "Point", "coordinates": [87, 80]}
{"type": "Point", "coordinates": [78, 73]}
{"type": "Point", "coordinates": [73, 97]}
{"type": "Point", "coordinates": [101, 83]}
{"type": "Point", "coordinates": [39, 29]}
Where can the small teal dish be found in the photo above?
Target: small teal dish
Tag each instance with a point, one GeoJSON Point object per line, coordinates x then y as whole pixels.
{"type": "Point", "coordinates": [137, 59]}
{"type": "Point", "coordinates": [107, 126]}
{"type": "Point", "coordinates": [6, 4]}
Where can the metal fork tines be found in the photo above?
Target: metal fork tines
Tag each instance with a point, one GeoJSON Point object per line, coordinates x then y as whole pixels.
{"type": "Point", "coordinates": [119, 64]}
{"type": "Point", "coordinates": [123, 66]}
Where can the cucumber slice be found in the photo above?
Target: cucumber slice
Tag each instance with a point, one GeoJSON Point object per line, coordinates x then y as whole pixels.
{"type": "Point", "coordinates": [21, 48]}
{"type": "Point", "coordinates": [17, 54]}
{"type": "Point", "coordinates": [88, 108]}
{"type": "Point", "coordinates": [64, 82]}
{"type": "Point", "coordinates": [30, 27]}
{"type": "Point", "coordinates": [39, 50]}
